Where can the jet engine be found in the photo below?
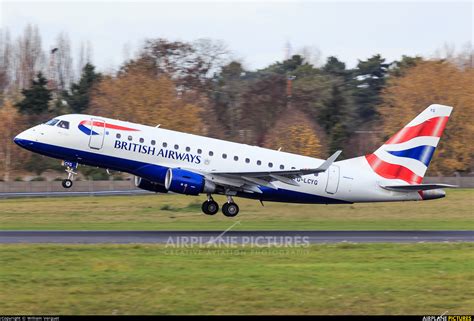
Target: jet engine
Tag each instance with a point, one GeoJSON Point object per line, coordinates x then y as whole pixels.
{"type": "Point", "coordinates": [186, 182]}
{"type": "Point", "coordinates": [149, 185]}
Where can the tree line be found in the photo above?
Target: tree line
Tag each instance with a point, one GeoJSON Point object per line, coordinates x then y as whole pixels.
{"type": "Point", "coordinates": [292, 105]}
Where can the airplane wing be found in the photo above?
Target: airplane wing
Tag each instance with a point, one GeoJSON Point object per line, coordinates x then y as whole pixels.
{"type": "Point", "coordinates": [417, 187]}
{"type": "Point", "coordinates": [250, 181]}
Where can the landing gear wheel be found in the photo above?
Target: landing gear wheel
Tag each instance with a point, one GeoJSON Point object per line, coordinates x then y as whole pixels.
{"type": "Point", "coordinates": [230, 209]}
{"type": "Point", "coordinates": [210, 207]}
{"type": "Point", "coordinates": [67, 183]}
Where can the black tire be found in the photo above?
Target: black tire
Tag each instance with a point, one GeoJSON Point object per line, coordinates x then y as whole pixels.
{"type": "Point", "coordinates": [210, 207]}
{"type": "Point", "coordinates": [230, 209]}
{"type": "Point", "coordinates": [67, 183]}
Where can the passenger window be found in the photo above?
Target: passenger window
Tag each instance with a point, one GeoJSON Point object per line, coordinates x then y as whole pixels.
{"type": "Point", "coordinates": [247, 160]}
{"type": "Point", "coordinates": [199, 151]}
{"type": "Point", "coordinates": [282, 166]}
{"type": "Point", "coordinates": [236, 158]}
{"type": "Point", "coordinates": [259, 162]}
{"type": "Point", "coordinates": [130, 138]}
{"type": "Point", "coordinates": [63, 124]}
{"type": "Point", "coordinates": [142, 140]}
{"type": "Point", "coordinates": [165, 144]}
{"type": "Point", "coordinates": [270, 164]}
{"type": "Point", "coordinates": [188, 149]}
{"type": "Point", "coordinates": [211, 153]}
{"type": "Point", "coordinates": [118, 135]}
{"type": "Point", "coordinates": [224, 156]}
{"type": "Point", "coordinates": [176, 146]}
{"type": "Point", "coordinates": [153, 142]}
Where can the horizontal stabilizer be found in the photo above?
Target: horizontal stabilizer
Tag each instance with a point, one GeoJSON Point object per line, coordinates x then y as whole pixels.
{"type": "Point", "coordinates": [417, 187]}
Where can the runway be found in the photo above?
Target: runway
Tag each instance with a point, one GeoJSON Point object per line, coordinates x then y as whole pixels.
{"type": "Point", "coordinates": [259, 238]}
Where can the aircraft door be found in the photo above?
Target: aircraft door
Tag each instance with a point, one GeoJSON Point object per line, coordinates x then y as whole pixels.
{"type": "Point", "coordinates": [333, 179]}
{"type": "Point", "coordinates": [97, 135]}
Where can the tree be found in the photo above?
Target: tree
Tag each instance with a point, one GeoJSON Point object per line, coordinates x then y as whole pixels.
{"type": "Point", "coordinates": [261, 104]}
{"type": "Point", "coordinates": [190, 64]}
{"type": "Point", "coordinates": [9, 123]}
{"type": "Point", "coordinates": [144, 98]}
{"type": "Point", "coordinates": [399, 68]}
{"type": "Point", "coordinates": [78, 99]}
{"type": "Point", "coordinates": [226, 96]}
{"type": "Point", "coordinates": [369, 82]}
{"type": "Point", "coordinates": [435, 82]}
{"type": "Point", "coordinates": [294, 133]}
{"type": "Point", "coordinates": [63, 73]}
{"type": "Point", "coordinates": [29, 56]}
{"type": "Point", "coordinates": [335, 67]}
{"type": "Point", "coordinates": [36, 98]}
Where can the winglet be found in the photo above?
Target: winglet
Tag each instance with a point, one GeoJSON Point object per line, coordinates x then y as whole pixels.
{"type": "Point", "coordinates": [328, 162]}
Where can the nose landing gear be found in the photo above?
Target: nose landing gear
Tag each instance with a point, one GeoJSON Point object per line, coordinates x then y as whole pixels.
{"type": "Point", "coordinates": [70, 170]}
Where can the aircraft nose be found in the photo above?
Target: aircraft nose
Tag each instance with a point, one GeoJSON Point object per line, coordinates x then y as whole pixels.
{"type": "Point", "coordinates": [19, 140]}
{"type": "Point", "coordinates": [23, 138]}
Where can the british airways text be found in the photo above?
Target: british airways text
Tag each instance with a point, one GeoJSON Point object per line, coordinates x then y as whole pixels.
{"type": "Point", "coordinates": [144, 149]}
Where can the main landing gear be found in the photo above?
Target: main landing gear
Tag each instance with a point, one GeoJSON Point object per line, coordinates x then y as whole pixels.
{"type": "Point", "coordinates": [229, 209]}
{"type": "Point", "coordinates": [70, 170]}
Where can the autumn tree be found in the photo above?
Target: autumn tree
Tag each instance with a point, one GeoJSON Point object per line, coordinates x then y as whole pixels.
{"type": "Point", "coordinates": [190, 64]}
{"type": "Point", "coordinates": [10, 120]}
{"type": "Point", "coordinates": [144, 98]}
{"type": "Point", "coordinates": [427, 83]}
{"type": "Point", "coordinates": [295, 133]}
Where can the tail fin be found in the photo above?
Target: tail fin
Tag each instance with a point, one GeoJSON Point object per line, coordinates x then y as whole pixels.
{"type": "Point", "coordinates": [407, 154]}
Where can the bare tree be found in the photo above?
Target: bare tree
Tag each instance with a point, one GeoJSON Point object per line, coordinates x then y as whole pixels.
{"type": "Point", "coordinates": [84, 57]}
{"type": "Point", "coordinates": [63, 71]}
{"type": "Point", "coordinates": [5, 60]}
{"type": "Point", "coordinates": [30, 57]}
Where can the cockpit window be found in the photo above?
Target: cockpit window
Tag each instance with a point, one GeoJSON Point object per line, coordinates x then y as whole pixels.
{"type": "Point", "coordinates": [52, 122]}
{"type": "Point", "coordinates": [63, 124]}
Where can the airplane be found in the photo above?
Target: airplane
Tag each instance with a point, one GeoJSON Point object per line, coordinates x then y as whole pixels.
{"type": "Point", "coordinates": [165, 161]}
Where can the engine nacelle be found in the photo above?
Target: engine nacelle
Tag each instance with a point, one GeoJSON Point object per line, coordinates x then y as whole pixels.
{"type": "Point", "coordinates": [433, 194]}
{"type": "Point", "coordinates": [186, 182]}
{"type": "Point", "coordinates": [149, 185]}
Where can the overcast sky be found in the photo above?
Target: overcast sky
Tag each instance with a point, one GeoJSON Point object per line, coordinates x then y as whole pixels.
{"type": "Point", "coordinates": [256, 32]}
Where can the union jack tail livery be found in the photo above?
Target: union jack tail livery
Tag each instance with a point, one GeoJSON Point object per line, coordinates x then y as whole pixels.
{"type": "Point", "coordinates": [407, 154]}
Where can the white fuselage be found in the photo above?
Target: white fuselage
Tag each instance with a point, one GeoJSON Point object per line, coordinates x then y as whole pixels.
{"type": "Point", "coordinates": [143, 151]}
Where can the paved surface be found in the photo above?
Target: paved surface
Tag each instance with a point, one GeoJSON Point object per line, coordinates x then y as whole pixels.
{"type": "Point", "coordinates": [234, 237]}
{"type": "Point", "coordinates": [69, 194]}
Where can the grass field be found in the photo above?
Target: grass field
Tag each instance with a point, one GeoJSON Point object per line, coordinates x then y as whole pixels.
{"type": "Point", "coordinates": [174, 212]}
{"type": "Point", "coordinates": [320, 279]}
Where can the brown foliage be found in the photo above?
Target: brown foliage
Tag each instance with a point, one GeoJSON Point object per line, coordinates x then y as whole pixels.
{"type": "Point", "coordinates": [143, 98]}
{"type": "Point", "coordinates": [10, 121]}
{"type": "Point", "coordinates": [435, 82]}
{"type": "Point", "coordinates": [294, 133]}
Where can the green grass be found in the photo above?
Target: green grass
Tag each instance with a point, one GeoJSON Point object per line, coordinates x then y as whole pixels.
{"type": "Point", "coordinates": [320, 279]}
{"type": "Point", "coordinates": [174, 212]}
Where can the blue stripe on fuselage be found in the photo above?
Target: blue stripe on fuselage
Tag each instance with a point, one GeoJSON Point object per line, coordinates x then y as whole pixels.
{"type": "Point", "coordinates": [86, 130]}
{"type": "Point", "coordinates": [157, 173]}
{"type": "Point", "coordinates": [420, 153]}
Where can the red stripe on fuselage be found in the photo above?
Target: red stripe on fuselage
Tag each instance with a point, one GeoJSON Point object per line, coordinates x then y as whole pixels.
{"type": "Point", "coordinates": [431, 127]}
{"type": "Point", "coordinates": [392, 171]}
{"type": "Point", "coordinates": [110, 126]}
